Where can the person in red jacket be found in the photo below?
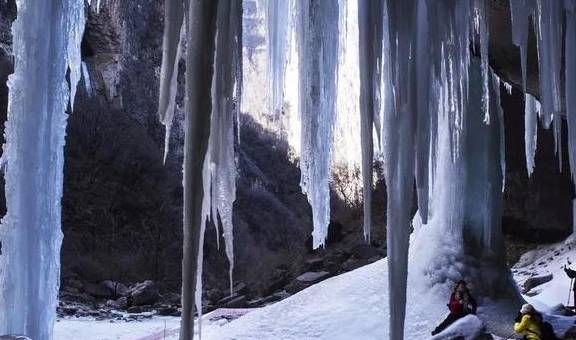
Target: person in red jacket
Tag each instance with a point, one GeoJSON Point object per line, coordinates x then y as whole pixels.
{"type": "Point", "coordinates": [461, 304]}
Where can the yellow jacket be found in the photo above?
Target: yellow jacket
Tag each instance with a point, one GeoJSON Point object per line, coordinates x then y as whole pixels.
{"type": "Point", "coordinates": [529, 327]}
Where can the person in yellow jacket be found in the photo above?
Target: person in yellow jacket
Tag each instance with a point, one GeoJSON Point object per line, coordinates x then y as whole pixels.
{"type": "Point", "coordinates": [528, 323]}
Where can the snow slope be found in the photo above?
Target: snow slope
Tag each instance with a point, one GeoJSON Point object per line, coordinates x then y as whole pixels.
{"type": "Point", "coordinates": [544, 260]}
{"type": "Point", "coordinates": [354, 305]}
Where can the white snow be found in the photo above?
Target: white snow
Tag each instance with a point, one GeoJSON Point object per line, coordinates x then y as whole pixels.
{"type": "Point", "coordinates": [469, 327]}
{"type": "Point", "coordinates": [354, 306]}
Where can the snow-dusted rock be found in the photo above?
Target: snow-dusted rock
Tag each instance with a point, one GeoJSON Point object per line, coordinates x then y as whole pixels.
{"type": "Point", "coordinates": [535, 281]}
{"type": "Point", "coordinates": [469, 328]}
{"type": "Point", "coordinates": [145, 293]}
{"type": "Point", "coordinates": [312, 277]}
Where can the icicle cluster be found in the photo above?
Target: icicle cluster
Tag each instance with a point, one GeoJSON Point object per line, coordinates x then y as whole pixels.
{"type": "Point", "coordinates": [47, 36]}
{"type": "Point", "coordinates": [556, 89]}
{"type": "Point", "coordinates": [212, 29]}
{"type": "Point", "coordinates": [426, 63]}
{"type": "Point", "coordinates": [318, 47]}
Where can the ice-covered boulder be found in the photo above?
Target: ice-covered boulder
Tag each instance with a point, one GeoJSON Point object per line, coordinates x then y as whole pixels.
{"type": "Point", "coordinates": [468, 328]}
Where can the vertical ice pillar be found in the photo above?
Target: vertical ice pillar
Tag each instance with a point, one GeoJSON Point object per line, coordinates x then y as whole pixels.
{"type": "Point", "coordinates": [370, 28]}
{"type": "Point", "coordinates": [47, 36]}
{"type": "Point", "coordinates": [399, 147]}
{"type": "Point", "coordinates": [278, 24]}
{"type": "Point", "coordinates": [200, 37]}
{"type": "Point", "coordinates": [318, 36]}
{"type": "Point", "coordinates": [225, 108]}
{"type": "Point", "coordinates": [520, 11]}
{"type": "Point", "coordinates": [549, 32]}
{"type": "Point", "coordinates": [570, 85]}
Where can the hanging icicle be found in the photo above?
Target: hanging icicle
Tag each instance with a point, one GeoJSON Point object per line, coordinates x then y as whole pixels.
{"type": "Point", "coordinates": [278, 24]}
{"type": "Point", "coordinates": [318, 62]}
{"type": "Point", "coordinates": [370, 16]}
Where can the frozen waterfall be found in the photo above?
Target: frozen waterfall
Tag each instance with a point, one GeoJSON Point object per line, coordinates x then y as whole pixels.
{"type": "Point", "coordinates": [46, 38]}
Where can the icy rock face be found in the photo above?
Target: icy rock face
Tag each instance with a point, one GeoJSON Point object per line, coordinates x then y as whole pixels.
{"type": "Point", "coordinates": [33, 160]}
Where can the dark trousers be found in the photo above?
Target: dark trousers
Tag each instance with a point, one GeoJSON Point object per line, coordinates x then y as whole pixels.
{"type": "Point", "coordinates": [450, 319]}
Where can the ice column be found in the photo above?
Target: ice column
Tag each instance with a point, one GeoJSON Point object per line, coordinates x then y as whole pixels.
{"type": "Point", "coordinates": [570, 79]}
{"type": "Point", "coordinates": [370, 16]}
{"type": "Point", "coordinates": [318, 36]}
{"type": "Point", "coordinates": [549, 32]}
{"type": "Point", "coordinates": [213, 83]}
{"type": "Point", "coordinates": [47, 36]}
{"type": "Point", "coordinates": [531, 112]}
{"type": "Point", "coordinates": [399, 147]}
{"type": "Point", "coordinates": [225, 108]}
{"type": "Point", "coordinates": [278, 24]}
{"type": "Point", "coordinates": [520, 11]}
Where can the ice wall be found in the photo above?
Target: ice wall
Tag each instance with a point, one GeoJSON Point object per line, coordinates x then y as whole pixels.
{"type": "Point", "coordinates": [46, 37]}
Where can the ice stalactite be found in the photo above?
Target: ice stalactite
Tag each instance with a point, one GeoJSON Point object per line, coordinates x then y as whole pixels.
{"type": "Point", "coordinates": [225, 109]}
{"type": "Point", "coordinates": [279, 18]}
{"type": "Point", "coordinates": [213, 82]}
{"type": "Point", "coordinates": [423, 74]}
{"type": "Point", "coordinates": [481, 24]}
{"type": "Point", "coordinates": [549, 35]}
{"type": "Point", "coordinates": [200, 28]}
{"type": "Point", "coordinates": [531, 112]}
{"type": "Point", "coordinates": [570, 79]}
{"type": "Point", "coordinates": [318, 37]}
{"type": "Point", "coordinates": [521, 11]}
{"type": "Point", "coordinates": [46, 43]}
{"type": "Point", "coordinates": [174, 14]}
{"type": "Point", "coordinates": [399, 148]}
{"type": "Point", "coordinates": [86, 79]}
{"type": "Point", "coordinates": [370, 16]}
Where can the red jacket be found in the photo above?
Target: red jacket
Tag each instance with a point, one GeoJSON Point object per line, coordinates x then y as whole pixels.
{"type": "Point", "coordinates": [455, 305]}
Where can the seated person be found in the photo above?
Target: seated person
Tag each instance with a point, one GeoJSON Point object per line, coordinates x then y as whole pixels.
{"type": "Point", "coordinates": [461, 304]}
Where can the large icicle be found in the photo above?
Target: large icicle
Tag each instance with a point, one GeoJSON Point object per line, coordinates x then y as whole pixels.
{"type": "Point", "coordinates": [213, 83]}
{"type": "Point", "coordinates": [370, 27]}
{"type": "Point", "coordinates": [225, 107]}
{"type": "Point", "coordinates": [200, 38]}
{"type": "Point", "coordinates": [318, 62]}
{"type": "Point", "coordinates": [423, 126]}
{"type": "Point", "coordinates": [278, 24]}
{"type": "Point", "coordinates": [399, 148]}
{"type": "Point", "coordinates": [570, 82]}
{"type": "Point", "coordinates": [549, 24]}
{"type": "Point", "coordinates": [47, 36]}
{"type": "Point", "coordinates": [520, 11]}
{"type": "Point", "coordinates": [174, 16]}
{"type": "Point", "coordinates": [531, 112]}
{"type": "Point", "coordinates": [481, 17]}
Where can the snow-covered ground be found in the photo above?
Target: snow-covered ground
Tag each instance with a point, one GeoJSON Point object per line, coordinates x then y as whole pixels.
{"type": "Point", "coordinates": [543, 261]}
{"type": "Point", "coordinates": [353, 305]}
